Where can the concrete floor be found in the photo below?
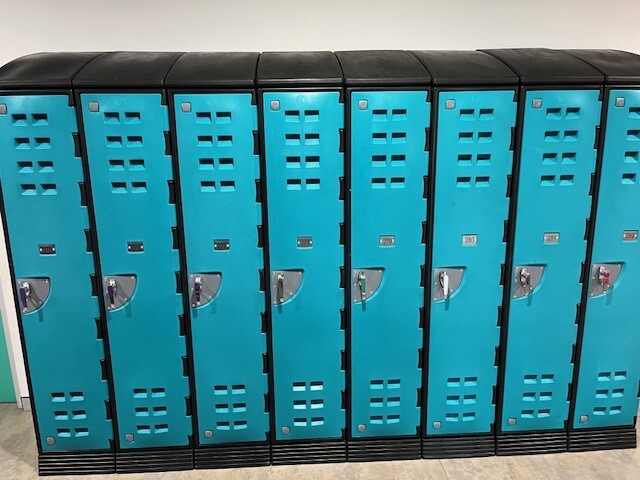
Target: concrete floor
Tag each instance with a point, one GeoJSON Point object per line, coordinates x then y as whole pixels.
{"type": "Point", "coordinates": [18, 462]}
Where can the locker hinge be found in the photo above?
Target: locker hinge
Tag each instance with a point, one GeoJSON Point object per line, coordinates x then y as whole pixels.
{"type": "Point", "coordinates": [420, 358]}
{"type": "Point", "coordinates": [176, 238]}
{"type": "Point", "coordinates": [83, 194]}
{"type": "Point", "coordinates": [422, 318]}
{"type": "Point", "coordinates": [592, 185]}
{"type": "Point", "coordinates": [263, 321]}
{"type": "Point", "coordinates": [89, 239]}
{"type": "Point", "coordinates": [343, 319]}
{"type": "Point", "coordinates": [343, 395]}
{"type": "Point", "coordinates": [505, 231]}
{"type": "Point", "coordinates": [107, 409]}
{"type": "Point", "coordinates": [343, 360]}
{"type": "Point", "coordinates": [103, 370]}
{"type": "Point", "coordinates": [422, 275]}
{"type": "Point", "coordinates": [583, 273]}
{"type": "Point", "coordinates": [587, 222]}
{"type": "Point", "coordinates": [167, 144]}
{"type": "Point", "coordinates": [509, 182]}
{"type": "Point", "coordinates": [187, 404]}
{"type": "Point", "coordinates": [341, 133]}
{"type": "Point", "coordinates": [256, 143]}
{"type": "Point", "coordinates": [172, 192]}
{"type": "Point", "coordinates": [597, 138]}
{"type": "Point", "coordinates": [577, 322]}
{"type": "Point", "coordinates": [499, 315]}
{"type": "Point", "coordinates": [423, 240]}
{"type": "Point", "coordinates": [512, 143]}
{"type": "Point", "coordinates": [569, 392]}
{"type": "Point", "coordinates": [77, 152]}
{"type": "Point", "coordinates": [183, 325]}
{"type": "Point", "coordinates": [496, 358]}
{"type": "Point", "coordinates": [341, 196]}
{"type": "Point", "coordinates": [260, 236]}
{"type": "Point", "coordinates": [427, 139]}
{"type": "Point", "coordinates": [99, 332]}
{"type": "Point", "coordinates": [267, 402]}
{"type": "Point", "coordinates": [503, 272]}
{"type": "Point", "coordinates": [341, 233]}
{"type": "Point", "coordinates": [265, 363]}
{"type": "Point", "coordinates": [262, 281]}
{"type": "Point", "coordinates": [185, 366]}
{"type": "Point", "coordinates": [342, 278]}
{"type": "Point", "coordinates": [178, 282]}
{"type": "Point", "coordinates": [419, 402]}
{"type": "Point", "coordinates": [494, 395]}
{"type": "Point", "coordinates": [425, 188]}
{"type": "Point", "coordinates": [574, 352]}
{"type": "Point", "coordinates": [94, 285]}
{"type": "Point", "coordinates": [258, 191]}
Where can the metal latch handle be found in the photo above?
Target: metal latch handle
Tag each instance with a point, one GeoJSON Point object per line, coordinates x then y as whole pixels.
{"type": "Point", "coordinates": [362, 282]}
{"type": "Point", "coordinates": [197, 289]}
{"type": "Point", "coordinates": [25, 292]}
{"type": "Point", "coordinates": [444, 283]}
{"type": "Point", "coordinates": [280, 288]}
{"type": "Point", "coordinates": [604, 277]}
{"type": "Point", "coordinates": [525, 280]}
{"type": "Point", "coordinates": [111, 291]}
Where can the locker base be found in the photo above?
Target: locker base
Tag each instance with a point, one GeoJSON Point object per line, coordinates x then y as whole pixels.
{"type": "Point", "coordinates": [330, 451]}
{"type": "Point", "coordinates": [232, 456]}
{"type": "Point", "coordinates": [602, 439]}
{"type": "Point", "coordinates": [530, 443]}
{"type": "Point", "coordinates": [154, 460]}
{"type": "Point", "coordinates": [377, 449]}
{"type": "Point", "coordinates": [459, 446]}
{"type": "Point", "coordinates": [76, 463]}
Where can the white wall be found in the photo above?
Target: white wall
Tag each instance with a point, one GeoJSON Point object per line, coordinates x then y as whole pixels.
{"type": "Point", "coordinates": [28, 26]}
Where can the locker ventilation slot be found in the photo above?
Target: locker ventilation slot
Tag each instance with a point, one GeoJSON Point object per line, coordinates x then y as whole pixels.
{"type": "Point", "coordinates": [461, 395]}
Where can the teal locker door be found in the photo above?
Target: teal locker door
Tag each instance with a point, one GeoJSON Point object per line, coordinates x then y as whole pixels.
{"type": "Point", "coordinates": [389, 163]}
{"type": "Point", "coordinates": [557, 160]}
{"type": "Point", "coordinates": [130, 178]}
{"type": "Point", "coordinates": [473, 162]}
{"type": "Point", "coordinates": [609, 376]}
{"type": "Point", "coordinates": [218, 174]}
{"type": "Point", "coordinates": [46, 218]}
{"type": "Point", "coordinates": [304, 167]}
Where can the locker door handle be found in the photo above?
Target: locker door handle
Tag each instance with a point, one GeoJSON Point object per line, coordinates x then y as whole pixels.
{"type": "Point", "coordinates": [362, 282]}
{"type": "Point", "coordinates": [197, 289]}
{"type": "Point", "coordinates": [525, 280]}
{"type": "Point", "coordinates": [280, 288]}
{"type": "Point", "coordinates": [604, 277]}
{"type": "Point", "coordinates": [444, 283]}
{"type": "Point", "coordinates": [25, 292]}
{"type": "Point", "coordinates": [111, 292]}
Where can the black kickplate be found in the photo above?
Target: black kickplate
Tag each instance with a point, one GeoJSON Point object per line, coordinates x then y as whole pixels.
{"type": "Point", "coordinates": [602, 439]}
{"type": "Point", "coordinates": [531, 443]}
{"type": "Point", "coordinates": [459, 446]}
{"type": "Point", "coordinates": [308, 452]}
{"type": "Point", "coordinates": [76, 463]}
{"type": "Point", "coordinates": [154, 460]}
{"type": "Point", "coordinates": [232, 456]}
{"type": "Point", "coordinates": [378, 449]}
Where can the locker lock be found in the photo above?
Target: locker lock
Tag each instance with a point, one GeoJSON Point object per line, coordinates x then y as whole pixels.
{"type": "Point", "coordinates": [525, 280]}
{"type": "Point", "coordinates": [197, 289]}
{"type": "Point", "coordinates": [362, 283]}
{"type": "Point", "coordinates": [112, 291]}
{"type": "Point", "coordinates": [604, 278]}
{"type": "Point", "coordinates": [443, 278]}
{"type": "Point", "coordinates": [25, 293]}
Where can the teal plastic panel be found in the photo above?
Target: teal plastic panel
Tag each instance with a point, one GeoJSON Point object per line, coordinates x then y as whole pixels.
{"type": "Point", "coordinates": [609, 375]}
{"type": "Point", "coordinates": [388, 209]}
{"type": "Point", "coordinates": [218, 173]}
{"type": "Point", "coordinates": [557, 160]}
{"type": "Point", "coordinates": [473, 161]}
{"type": "Point", "coordinates": [304, 165]}
{"type": "Point", "coordinates": [40, 175]}
{"type": "Point", "coordinates": [130, 172]}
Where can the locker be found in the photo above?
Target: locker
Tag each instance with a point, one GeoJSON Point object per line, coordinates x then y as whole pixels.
{"type": "Point", "coordinates": [303, 119]}
{"type": "Point", "coordinates": [130, 164]}
{"type": "Point", "coordinates": [388, 108]}
{"type": "Point", "coordinates": [476, 103]}
{"type": "Point", "coordinates": [607, 379]}
{"type": "Point", "coordinates": [560, 108]}
{"type": "Point", "coordinates": [46, 219]}
{"type": "Point", "coordinates": [216, 126]}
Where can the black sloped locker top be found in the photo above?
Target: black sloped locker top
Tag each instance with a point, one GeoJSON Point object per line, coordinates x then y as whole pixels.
{"type": "Point", "coordinates": [465, 68]}
{"type": "Point", "coordinates": [382, 68]}
{"type": "Point", "coordinates": [617, 66]}
{"type": "Point", "coordinates": [127, 70]}
{"type": "Point", "coordinates": [299, 69]}
{"type": "Point", "coordinates": [214, 70]}
{"type": "Point", "coordinates": [543, 66]}
{"type": "Point", "coordinates": [44, 70]}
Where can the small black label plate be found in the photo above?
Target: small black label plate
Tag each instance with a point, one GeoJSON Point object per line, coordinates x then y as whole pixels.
{"type": "Point", "coordinates": [222, 244]}
{"type": "Point", "coordinates": [47, 249]}
{"type": "Point", "coordinates": [135, 247]}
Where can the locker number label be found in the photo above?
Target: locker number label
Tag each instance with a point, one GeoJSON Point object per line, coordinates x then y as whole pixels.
{"type": "Point", "coordinates": [630, 235]}
{"type": "Point", "coordinates": [221, 244]}
{"type": "Point", "coordinates": [551, 238]}
{"type": "Point", "coordinates": [387, 240]}
{"type": "Point", "coordinates": [305, 242]}
{"type": "Point", "coordinates": [469, 240]}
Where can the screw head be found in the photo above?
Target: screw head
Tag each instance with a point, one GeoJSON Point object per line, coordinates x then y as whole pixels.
{"type": "Point", "coordinates": [584, 418]}
{"type": "Point", "coordinates": [437, 425]}
{"type": "Point", "coordinates": [620, 102]}
{"type": "Point", "coordinates": [275, 105]}
{"type": "Point", "coordinates": [94, 107]}
{"type": "Point", "coordinates": [362, 427]}
{"type": "Point", "coordinates": [286, 430]}
{"type": "Point", "coordinates": [185, 107]}
{"type": "Point", "coordinates": [363, 104]}
{"type": "Point", "coordinates": [208, 433]}
{"type": "Point", "coordinates": [450, 104]}
{"type": "Point", "coordinates": [51, 441]}
{"type": "Point", "coordinates": [3, 109]}
{"type": "Point", "coordinates": [537, 103]}
{"type": "Point", "coordinates": [129, 437]}
{"type": "Point", "coordinates": [511, 422]}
